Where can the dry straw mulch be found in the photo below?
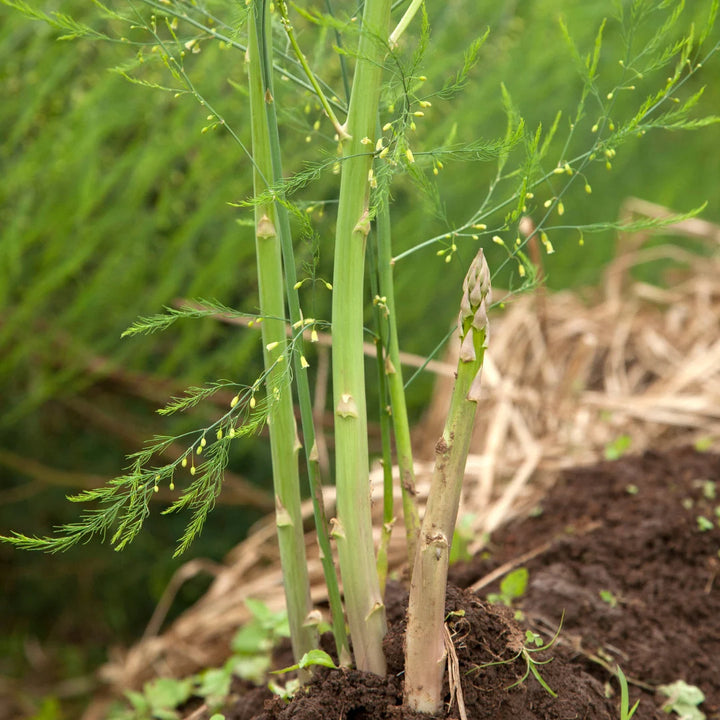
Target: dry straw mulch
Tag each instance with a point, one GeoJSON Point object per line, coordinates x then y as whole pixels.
{"type": "Point", "coordinates": [566, 377]}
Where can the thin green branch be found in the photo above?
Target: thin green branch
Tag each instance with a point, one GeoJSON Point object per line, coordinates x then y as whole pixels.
{"type": "Point", "coordinates": [405, 21]}
{"type": "Point", "coordinates": [290, 32]}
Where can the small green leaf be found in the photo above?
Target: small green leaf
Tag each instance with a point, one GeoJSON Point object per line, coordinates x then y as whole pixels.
{"type": "Point", "coordinates": [514, 584]}
{"type": "Point", "coordinates": [607, 597]}
{"type": "Point", "coordinates": [167, 693]}
{"type": "Point", "coordinates": [704, 524]}
{"type": "Point", "coordinates": [618, 447]}
{"type": "Point", "coordinates": [309, 659]}
{"type": "Point", "coordinates": [214, 685]}
{"type": "Point", "coordinates": [317, 657]}
{"type": "Point", "coordinates": [683, 699]}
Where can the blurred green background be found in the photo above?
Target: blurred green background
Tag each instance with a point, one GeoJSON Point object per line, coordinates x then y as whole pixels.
{"type": "Point", "coordinates": [114, 203]}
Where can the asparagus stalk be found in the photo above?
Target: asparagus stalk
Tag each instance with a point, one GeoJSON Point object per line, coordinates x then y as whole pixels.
{"type": "Point", "coordinates": [284, 442]}
{"type": "Point", "coordinates": [353, 527]}
{"type": "Point", "coordinates": [425, 647]}
{"type": "Point", "coordinates": [301, 379]}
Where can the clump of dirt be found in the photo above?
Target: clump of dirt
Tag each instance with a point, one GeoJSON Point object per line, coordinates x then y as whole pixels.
{"type": "Point", "coordinates": [624, 554]}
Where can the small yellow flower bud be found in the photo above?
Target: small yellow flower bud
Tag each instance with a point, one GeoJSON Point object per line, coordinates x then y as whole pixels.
{"type": "Point", "coordinates": [560, 208]}
{"type": "Point", "coordinates": [386, 127]}
{"type": "Point", "coordinates": [313, 335]}
{"type": "Point", "coordinates": [379, 145]}
{"type": "Point", "coordinates": [480, 226]}
{"type": "Point", "coordinates": [199, 449]}
{"type": "Point", "coordinates": [303, 362]}
{"type": "Point", "coordinates": [413, 126]}
{"type": "Point", "coordinates": [366, 141]}
{"type": "Point", "coordinates": [193, 470]}
{"type": "Point", "coordinates": [475, 237]}
{"type": "Point", "coordinates": [156, 489]}
{"type": "Point", "coordinates": [498, 240]}
{"type": "Point", "coordinates": [219, 434]}
{"type": "Point", "coordinates": [252, 402]}
{"type": "Point", "coordinates": [558, 170]}
{"type": "Point", "coordinates": [184, 462]}
{"type": "Point", "coordinates": [271, 346]}
{"type": "Point", "coordinates": [588, 189]}
{"type": "Point", "coordinates": [425, 104]}
{"type": "Point", "coordinates": [409, 155]}
{"type": "Point", "coordinates": [328, 285]}
{"type": "Point", "coordinates": [548, 203]}
{"type": "Point", "coordinates": [419, 113]}
{"type": "Point", "coordinates": [594, 128]}
{"type": "Point", "coordinates": [521, 270]}
{"type": "Point", "coordinates": [448, 258]}
{"type": "Point", "coordinates": [234, 401]}
{"type": "Point", "coordinates": [435, 170]}
{"type": "Point", "coordinates": [546, 242]}
{"type": "Point", "coordinates": [172, 485]}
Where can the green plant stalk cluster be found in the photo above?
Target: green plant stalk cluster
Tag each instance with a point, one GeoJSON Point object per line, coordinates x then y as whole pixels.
{"type": "Point", "coordinates": [424, 643]}
{"type": "Point", "coordinates": [353, 528]}
{"type": "Point", "coordinates": [284, 442]}
{"type": "Point", "coordinates": [301, 379]}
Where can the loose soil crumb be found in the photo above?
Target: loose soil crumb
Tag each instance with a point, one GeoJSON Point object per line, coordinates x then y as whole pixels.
{"type": "Point", "coordinates": [618, 554]}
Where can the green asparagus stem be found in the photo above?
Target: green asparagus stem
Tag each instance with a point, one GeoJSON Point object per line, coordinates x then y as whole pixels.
{"type": "Point", "coordinates": [353, 528]}
{"type": "Point", "coordinates": [284, 442]}
{"type": "Point", "coordinates": [424, 649]}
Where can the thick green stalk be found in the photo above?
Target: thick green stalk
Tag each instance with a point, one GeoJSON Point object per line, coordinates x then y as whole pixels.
{"type": "Point", "coordinates": [424, 640]}
{"type": "Point", "coordinates": [284, 443]}
{"type": "Point", "coordinates": [353, 529]}
{"type": "Point", "coordinates": [301, 378]}
{"type": "Point", "coordinates": [393, 370]}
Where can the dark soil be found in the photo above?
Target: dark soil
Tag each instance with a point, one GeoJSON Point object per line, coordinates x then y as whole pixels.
{"type": "Point", "coordinates": [628, 529]}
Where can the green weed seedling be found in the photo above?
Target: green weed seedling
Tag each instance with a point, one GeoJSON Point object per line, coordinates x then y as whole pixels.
{"type": "Point", "coordinates": [512, 587]}
{"type": "Point", "coordinates": [159, 700]}
{"type": "Point", "coordinates": [618, 447]}
{"type": "Point", "coordinates": [683, 700]}
{"type": "Point", "coordinates": [250, 660]}
{"type": "Point", "coordinates": [626, 712]}
{"type": "Point", "coordinates": [533, 644]}
{"type": "Point", "coordinates": [607, 597]}
{"type": "Point", "coordinates": [312, 658]}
